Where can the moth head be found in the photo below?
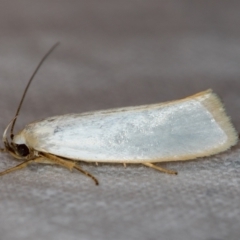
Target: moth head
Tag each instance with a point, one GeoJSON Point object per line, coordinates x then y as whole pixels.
{"type": "Point", "coordinates": [17, 147]}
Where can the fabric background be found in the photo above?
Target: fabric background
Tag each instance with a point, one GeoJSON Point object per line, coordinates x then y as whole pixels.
{"type": "Point", "coordinates": [115, 54]}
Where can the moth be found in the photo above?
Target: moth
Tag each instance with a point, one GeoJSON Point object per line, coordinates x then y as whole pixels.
{"type": "Point", "coordinates": [193, 127]}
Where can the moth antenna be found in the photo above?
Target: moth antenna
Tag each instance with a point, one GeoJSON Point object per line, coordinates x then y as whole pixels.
{"type": "Point", "coordinates": [29, 82]}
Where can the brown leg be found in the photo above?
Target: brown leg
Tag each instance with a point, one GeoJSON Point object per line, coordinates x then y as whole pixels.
{"type": "Point", "coordinates": [86, 173]}
{"type": "Point", "coordinates": [18, 167]}
{"type": "Point", "coordinates": [68, 164]}
{"type": "Point", "coordinates": [160, 168]}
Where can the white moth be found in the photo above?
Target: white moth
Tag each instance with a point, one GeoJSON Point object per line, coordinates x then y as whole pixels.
{"type": "Point", "coordinates": [193, 127]}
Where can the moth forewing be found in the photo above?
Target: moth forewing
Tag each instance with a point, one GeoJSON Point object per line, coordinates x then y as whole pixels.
{"type": "Point", "coordinates": [193, 127]}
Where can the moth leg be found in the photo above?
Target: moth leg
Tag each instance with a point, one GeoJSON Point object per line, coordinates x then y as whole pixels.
{"type": "Point", "coordinates": [124, 164]}
{"type": "Point", "coordinates": [86, 173]}
{"type": "Point", "coordinates": [68, 164]}
{"type": "Point", "coordinates": [18, 167]}
{"type": "Point", "coordinates": [160, 168]}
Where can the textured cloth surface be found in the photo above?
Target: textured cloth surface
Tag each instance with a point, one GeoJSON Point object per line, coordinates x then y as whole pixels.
{"type": "Point", "coordinates": [115, 54]}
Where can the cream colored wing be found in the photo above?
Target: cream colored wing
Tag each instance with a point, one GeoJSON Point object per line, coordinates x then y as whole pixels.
{"type": "Point", "coordinates": [193, 127]}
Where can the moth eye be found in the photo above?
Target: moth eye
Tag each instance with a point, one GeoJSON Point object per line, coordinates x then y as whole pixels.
{"type": "Point", "coordinates": [22, 150]}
